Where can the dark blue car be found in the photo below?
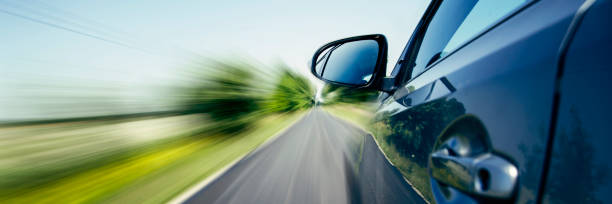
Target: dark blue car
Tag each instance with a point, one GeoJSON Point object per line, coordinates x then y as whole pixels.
{"type": "Point", "coordinates": [492, 100]}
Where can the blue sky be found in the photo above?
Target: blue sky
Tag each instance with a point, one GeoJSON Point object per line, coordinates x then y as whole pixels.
{"type": "Point", "coordinates": [118, 52]}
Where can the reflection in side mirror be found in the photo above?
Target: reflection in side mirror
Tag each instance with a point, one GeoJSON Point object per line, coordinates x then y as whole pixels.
{"type": "Point", "coordinates": [355, 61]}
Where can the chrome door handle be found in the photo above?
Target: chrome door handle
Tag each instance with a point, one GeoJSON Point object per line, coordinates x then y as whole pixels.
{"type": "Point", "coordinates": [485, 174]}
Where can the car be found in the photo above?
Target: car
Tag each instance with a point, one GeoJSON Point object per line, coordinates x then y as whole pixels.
{"type": "Point", "coordinates": [492, 101]}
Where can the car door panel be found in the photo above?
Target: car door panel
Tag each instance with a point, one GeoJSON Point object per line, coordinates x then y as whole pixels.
{"type": "Point", "coordinates": [505, 78]}
{"type": "Point", "coordinates": [580, 167]}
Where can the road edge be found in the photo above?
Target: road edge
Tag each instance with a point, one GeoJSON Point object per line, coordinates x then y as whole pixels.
{"type": "Point", "coordinates": [185, 195]}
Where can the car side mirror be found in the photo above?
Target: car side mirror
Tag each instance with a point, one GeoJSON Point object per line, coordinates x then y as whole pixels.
{"type": "Point", "coordinates": [353, 62]}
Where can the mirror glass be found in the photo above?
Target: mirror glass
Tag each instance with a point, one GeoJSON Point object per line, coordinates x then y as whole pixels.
{"type": "Point", "coordinates": [350, 63]}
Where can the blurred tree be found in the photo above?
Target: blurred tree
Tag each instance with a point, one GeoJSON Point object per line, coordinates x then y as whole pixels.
{"type": "Point", "coordinates": [236, 94]}
{"type": "Point", "coordinates": [292, 92]}
{"type": "Point", "coordinates": [337, 94]}
{"type": "Point", "coordinates": [225, 96]}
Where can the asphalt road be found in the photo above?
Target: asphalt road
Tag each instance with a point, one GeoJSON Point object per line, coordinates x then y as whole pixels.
{"type": "Point", "coordinates": [320, 159]}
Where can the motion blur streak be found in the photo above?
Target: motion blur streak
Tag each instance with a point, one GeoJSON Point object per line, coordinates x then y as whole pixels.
{"type": "Point", "coordinates": [30, 155]}
{"type": "Point", "coordinates": [321, 159]}
{"type": "Point", "coordinates": [70, 143]}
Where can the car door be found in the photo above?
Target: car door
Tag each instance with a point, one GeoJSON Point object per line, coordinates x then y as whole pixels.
{"type": "Point", "coordinates": [471, 115]}
{"type": "Point", "coordinates": [580, 170]}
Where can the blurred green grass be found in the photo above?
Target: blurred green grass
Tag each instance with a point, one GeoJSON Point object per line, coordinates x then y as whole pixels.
{"type": "Point", "coordinates": [156, 174]}
{"type": "Point", "coordinates": [33, 155]}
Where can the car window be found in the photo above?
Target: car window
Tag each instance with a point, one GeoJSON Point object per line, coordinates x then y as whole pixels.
{"type": "Point", "coordinates": [454, 23]}
{"type": "Point", "coordinates": [483, 15]}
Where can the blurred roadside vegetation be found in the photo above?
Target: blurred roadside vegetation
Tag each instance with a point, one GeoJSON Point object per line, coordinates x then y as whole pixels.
{"type": "Point", "coordinates": [355, 105]}
{"type": "Point", "coordinates": [227, 109]}
{"type": "Point", "coordinates": [334, 94]}
{"type": "Point", "coordinates": [235, 94]}
{"type": "Point", "coordinates": [155, 172]}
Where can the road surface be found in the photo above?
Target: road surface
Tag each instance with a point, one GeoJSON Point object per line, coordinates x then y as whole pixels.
{"type": "Point", "coordinates": [320, 159]}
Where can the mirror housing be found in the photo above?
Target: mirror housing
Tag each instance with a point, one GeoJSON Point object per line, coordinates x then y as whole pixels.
{"type": "Point", "coordinates": [358, 62]}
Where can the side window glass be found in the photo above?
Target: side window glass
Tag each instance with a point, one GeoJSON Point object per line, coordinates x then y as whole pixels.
{"type": "Point", "coordinates": [483, 15]}
{"type": "Point", "coordinates": [455, 22]}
